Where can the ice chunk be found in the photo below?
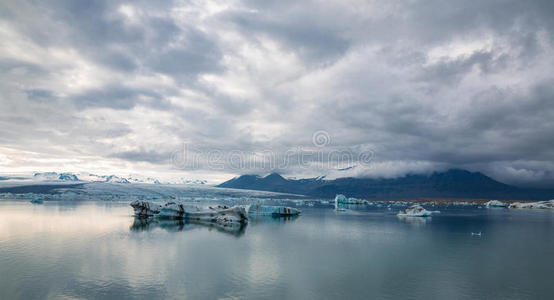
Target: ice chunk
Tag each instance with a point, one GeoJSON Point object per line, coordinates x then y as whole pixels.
{"type": "Point", "coordinates": [495, 203]}
{"type": "Point", "coordinates": [172, 210]}
{"type": "Point", "coordinates": [145, 208]}
{"type": "Point", "coordinates": [536, 205]}
{"type": "Point", "coordinates": [37, 200]}
{"type": "Point", "coordinates": [414, 211]}
{"type": "Point", "coordinates": [219, 214]}
{"type": "Point", "coordinates": [341, 199]}
{"type": "Point", "coordinates": [276, 211]}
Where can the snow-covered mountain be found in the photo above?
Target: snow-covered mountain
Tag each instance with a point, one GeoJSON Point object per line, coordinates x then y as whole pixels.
{"type": "Point", "coordinates": [89, 177]}
{"type": "Point", "coordinates": [116, 179]}
{"type": "Point", "coordinates": [186, 181]}
{"type": "Point", "coordinates": [53, 176]}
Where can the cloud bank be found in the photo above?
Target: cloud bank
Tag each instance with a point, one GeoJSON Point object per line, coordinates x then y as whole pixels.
{"type": "Point", "coordinates": [119, 87]}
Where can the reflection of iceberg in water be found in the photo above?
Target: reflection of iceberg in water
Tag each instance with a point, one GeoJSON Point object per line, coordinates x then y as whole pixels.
{"type": "Point", "coordinates": [414, 220]}
{"type": "Point", "coordinates": [260, 219]}
{"type": "Point", "coordinates": [146, 224]}
{"type": "Point", "coordinates": [343, 207]}
{"type": "Point", "coordinates": [173, 225]}
{"type": "Point", "coordinates": [236, 229]}
{"type": "Point", "coordinates": [274, 211]}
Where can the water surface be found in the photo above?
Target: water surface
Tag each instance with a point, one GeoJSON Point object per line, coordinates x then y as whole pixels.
{"type": "Point", "coordinates": [65, 249]}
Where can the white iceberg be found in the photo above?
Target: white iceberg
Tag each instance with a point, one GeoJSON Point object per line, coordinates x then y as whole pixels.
{"type": "Point", "coordinates": [276, 211]}
{"type": "Point", "coordinates": [535, 205]}
{"type": "Point", "coordinates": [415, 211]}
{"type": "Point", "coordinates": [495, 203]}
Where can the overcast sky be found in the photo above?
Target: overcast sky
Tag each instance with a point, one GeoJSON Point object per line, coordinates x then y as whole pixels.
{"type": "Point", "coordinates": [116, 87]}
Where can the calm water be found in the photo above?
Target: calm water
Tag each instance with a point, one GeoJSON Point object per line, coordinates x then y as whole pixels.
{"type": "Point", "coordinates": [97, 250]}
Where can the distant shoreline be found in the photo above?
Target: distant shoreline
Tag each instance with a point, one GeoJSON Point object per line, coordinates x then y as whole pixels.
{"type": "Point", "coordinates": [447, 200]}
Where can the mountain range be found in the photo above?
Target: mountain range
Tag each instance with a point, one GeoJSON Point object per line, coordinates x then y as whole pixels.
{"type": "Point", "coordinates": [89, 177]}
{"type": "Point", "coordinates": [454, 183]}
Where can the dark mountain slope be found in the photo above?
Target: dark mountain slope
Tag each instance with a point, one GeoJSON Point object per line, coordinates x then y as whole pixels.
{"type": "Point", "coordinates": [452, 184]}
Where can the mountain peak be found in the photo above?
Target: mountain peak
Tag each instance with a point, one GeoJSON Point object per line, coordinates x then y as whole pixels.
{"type": "Point", "coordinates": [274, 175]}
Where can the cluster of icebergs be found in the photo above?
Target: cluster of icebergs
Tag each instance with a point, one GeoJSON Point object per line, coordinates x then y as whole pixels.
{"type": "Point", "coordinates": [540, 205]}
{"type": "Point", "coordinates": [495, 203]}
{"type": "Point", "coordinates": [218, 214]}
{"type": "Point", "coordinates": [533, 205]}
{"type": "Point", "coordinates": [413, 210]}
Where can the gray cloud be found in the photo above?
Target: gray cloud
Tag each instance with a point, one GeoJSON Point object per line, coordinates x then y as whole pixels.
{"type": "Point", "coordinates": [426, 85]}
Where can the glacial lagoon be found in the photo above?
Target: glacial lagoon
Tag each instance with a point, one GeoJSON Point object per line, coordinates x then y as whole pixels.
{"type": "Point", "coordinates": [98, 250]}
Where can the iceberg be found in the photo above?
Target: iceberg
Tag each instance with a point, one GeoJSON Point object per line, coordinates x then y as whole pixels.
{"type": "Point", "coordinates": [341, 199]}
{"type": "Point", "coordinates": [220, 214]}
{"type": "Point", "coordinates": [275, 211]}
{"type": "Point", "coordinates": [172, 210]}
{"type": "Point", "coordinates": [535, 205]}
{"type": "Point", "coordinates": [415, 211]}
{"type": "Point", "coordinates": [37, 200]}
{"type": "Point", "coordinates": [495, 203]}
{"type": "Point", "coordinates": [145, 208]}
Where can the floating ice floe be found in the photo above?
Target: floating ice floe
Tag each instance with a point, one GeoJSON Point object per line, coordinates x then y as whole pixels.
{"type": "Point", "coordinates": [415, 211]}
{"type": "Point", "coordinates": [275, 211]}
{"type": "Point", "coordinates": [536, 205]}
{"type": "Point", "coordinates": [37, 200]}
{"type": "Point", "coordinates": [495, 203]}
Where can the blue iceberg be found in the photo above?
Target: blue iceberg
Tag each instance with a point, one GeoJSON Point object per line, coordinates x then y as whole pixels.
{"type": "Point", "coordinates": [275, 211]}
